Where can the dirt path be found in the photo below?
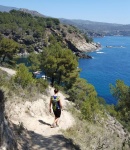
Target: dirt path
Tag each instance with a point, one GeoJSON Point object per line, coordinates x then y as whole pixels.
{"type": "Point", "coordinates": [9, 71]}
{"type": "Point", "coordinates": [36, 119]}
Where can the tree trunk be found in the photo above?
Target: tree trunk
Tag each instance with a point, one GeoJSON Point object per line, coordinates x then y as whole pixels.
{"type": "Point", "coordinates": [52, 81]}
{"type": "Point", "coordinates": [59, 80]}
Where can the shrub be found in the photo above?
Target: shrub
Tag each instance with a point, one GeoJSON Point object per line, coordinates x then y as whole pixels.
{"type": "Point", "coordinates": [41, 84]}
{"type": "Point", "coordinates": [23, 77]}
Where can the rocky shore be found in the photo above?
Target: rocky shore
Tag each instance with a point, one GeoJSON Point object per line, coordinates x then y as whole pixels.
{"type": "Point", "coordinates": [83, 55]}
{"type": "Point", "coordinates": [89, 47]}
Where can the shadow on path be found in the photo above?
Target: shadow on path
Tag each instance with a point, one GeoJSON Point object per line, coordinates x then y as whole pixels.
{"type": "Point", "coordinates": [41, 121]}
{"type": "Point", "coordinates": [29, 140]}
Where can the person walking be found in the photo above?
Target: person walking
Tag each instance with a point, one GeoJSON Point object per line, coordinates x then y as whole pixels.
{"type": "Point", "coordinates": [55, 104]}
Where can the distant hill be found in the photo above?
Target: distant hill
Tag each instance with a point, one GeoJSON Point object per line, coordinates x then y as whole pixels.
{"type": "Point", "coordinates": [98, 28]}
{"type": "Point", "coordinates": [7, 9]}
{"type": "Point", "coordinates": [32, 12]}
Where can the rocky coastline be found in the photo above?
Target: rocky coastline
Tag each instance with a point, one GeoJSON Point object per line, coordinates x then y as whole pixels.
{"type": "Point", "coordinates": [82, 53]}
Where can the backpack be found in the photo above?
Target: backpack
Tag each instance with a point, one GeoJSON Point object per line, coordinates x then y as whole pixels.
{"type": "Point", "coordinates": [55, 102]}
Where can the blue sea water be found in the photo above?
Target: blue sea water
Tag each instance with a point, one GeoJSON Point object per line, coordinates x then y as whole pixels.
{"type": "Point", "coordinates": [108, 65]}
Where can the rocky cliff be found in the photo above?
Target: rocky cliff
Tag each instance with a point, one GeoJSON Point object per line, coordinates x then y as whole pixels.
{"type": "Point", "coordinates": [74, 39]}
{"type": "Point", "coordinates": [7, 138]}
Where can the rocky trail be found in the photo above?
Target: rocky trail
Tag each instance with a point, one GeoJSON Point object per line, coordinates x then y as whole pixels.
{"type": "Point", "coordinates": [35, 118]}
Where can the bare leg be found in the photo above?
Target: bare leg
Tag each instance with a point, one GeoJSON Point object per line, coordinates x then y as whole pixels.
{"type": "Point", "coordinates": [55, 122]}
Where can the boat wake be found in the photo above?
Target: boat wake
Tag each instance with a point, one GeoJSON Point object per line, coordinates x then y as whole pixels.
{"type": "Point", "coordinates": [100, 52]}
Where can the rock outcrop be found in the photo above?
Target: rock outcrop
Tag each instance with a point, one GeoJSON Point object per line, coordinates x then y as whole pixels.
{"type": "Point", "coordinates": [7, 139]}
{"type": "Point", "coordinates": [75, 40]}
{"type": "Point", "coordinates": [83, 55]}
{"type": "Point", "coordinates": [78, 43]}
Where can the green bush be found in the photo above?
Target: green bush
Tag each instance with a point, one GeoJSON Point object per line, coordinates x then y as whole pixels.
{"type": "Point", "coordinates": [41, 84]}
{"type": "Point", "coordinates": [90, 108]}
{"type": "Point", "coordinates": [23, 77]}
{"type": "Point", "coordinates": [111, 110]}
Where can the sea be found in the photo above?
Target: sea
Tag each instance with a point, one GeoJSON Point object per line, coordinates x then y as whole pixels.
{"type": "Point", "coordinates": [108, 64]}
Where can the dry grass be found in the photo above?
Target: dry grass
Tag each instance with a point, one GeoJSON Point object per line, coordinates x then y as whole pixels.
{"type": "Point", "coordinates": [90, 136]}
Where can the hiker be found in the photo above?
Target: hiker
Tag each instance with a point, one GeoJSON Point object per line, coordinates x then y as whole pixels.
{"type": "Point", "coordinates": [55, 102]}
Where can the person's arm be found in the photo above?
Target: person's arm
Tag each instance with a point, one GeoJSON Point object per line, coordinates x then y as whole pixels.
{"type": "Point", "coordinates": [60, 104]}
{"type": "Point", "coordinates": [50, 105]}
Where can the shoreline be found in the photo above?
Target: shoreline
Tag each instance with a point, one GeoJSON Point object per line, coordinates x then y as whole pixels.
{"type": "Point", "coordinates": [84, 53]}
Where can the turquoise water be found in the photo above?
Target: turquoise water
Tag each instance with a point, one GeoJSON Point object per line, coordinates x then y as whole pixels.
{"type": "Point", "coordinates": [108, 64]}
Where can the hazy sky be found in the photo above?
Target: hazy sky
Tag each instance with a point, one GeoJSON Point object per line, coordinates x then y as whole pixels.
{"type": "Point", "coordinates": [111, 11]}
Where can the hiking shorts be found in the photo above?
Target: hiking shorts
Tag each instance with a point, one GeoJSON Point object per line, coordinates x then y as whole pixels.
{"type": "Point", "coordinates": [57, 113]}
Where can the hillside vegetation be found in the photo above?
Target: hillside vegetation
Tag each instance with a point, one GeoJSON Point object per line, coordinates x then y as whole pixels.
{"type": "Point", "coordinates": [33, 33]}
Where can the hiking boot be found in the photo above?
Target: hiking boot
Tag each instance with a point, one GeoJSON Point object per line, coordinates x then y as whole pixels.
{"type": "Point", "coordinates": [57, 125]}
{"type": "Point", "coordinates": [52, 126]}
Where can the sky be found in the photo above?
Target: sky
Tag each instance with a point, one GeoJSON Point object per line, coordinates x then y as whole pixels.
{"type": "Point", "coordinates": [110, 11]}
